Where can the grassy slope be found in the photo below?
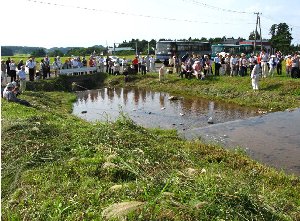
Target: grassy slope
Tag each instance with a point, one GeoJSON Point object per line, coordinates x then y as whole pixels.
{"type": "Point", "coordinates": [58, 167]}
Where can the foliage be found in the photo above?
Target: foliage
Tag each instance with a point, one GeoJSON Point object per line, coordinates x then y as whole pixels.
{"type": "Point", "coordinates": [281, 37]}
{"type": "Point", "coordinates": [252, 35]}
{"type": "Point", "coordinates": [80, 51]}
{"type": "Point", "coordinates": [6, 51]}
{"type": "Point", "coordinates": [56, 53]}
{"type": "Point", "coordinates": [141, 46]}
{"type": "Point", "coordinates": [59, 167]}
{"type": "Point", "coordinates": [38, 53]}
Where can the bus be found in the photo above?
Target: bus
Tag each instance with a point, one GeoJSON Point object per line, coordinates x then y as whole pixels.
{"type": "Point", "coordinates": [165, 49]}
{"type": "Point", "coordinates": [247, 49]}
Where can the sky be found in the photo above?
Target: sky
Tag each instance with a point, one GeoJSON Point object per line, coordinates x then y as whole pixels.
{"type": "Point", "coordinates": [70, 23]}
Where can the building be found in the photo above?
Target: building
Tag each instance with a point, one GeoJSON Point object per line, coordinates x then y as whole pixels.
{"type": "Point", "coordinates": [265, 44]}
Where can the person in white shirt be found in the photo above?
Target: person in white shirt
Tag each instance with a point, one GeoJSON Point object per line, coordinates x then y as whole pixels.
{"type": "Point", "coordinates": [264, 63]}
{"type": "Point", "coordinates": [56, 66]}
{"type": "Point", "coordinates": [152, 63]}
{"type": "Point", "coordinates": [101, 61]}
{"type": "Point", "coordinates": [217, 61]}
{"type": "Point", "coordinates": [124, 65]}
{"type": "Point", "coordinates": [255, 75]}
{"type": "Point", "coordinates": [3, 73]}
{"type": "Point", "coordinates": [233, 63]}
{"type": "Point", "coordinates": [31, 65]}
{"type": "Point", "coordinates": [272, 65]}
{"type": "Point", "coordinates": [22, 78]}
{"type": "Point", "coordinates": [161, 73]}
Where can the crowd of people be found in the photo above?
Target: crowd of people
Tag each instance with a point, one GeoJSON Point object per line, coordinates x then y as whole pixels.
{"type": "Point", "coordinates": [188, 66]}
{"type": "Point", "coordinates": [261, 65]}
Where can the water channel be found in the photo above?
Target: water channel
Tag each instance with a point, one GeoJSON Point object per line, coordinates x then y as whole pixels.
{"type": "Point", "coordinates": [270, 139]}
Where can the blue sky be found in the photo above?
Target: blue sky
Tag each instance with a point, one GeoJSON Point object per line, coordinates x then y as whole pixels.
{"type": "Point", "coordinates": [93, 22]}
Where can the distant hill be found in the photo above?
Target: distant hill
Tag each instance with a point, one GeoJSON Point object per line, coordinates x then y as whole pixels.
{"type": "Point", "coordinates": [13, 50]}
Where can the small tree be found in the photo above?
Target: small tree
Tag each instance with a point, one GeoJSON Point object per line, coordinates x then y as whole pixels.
{"type": "Point", "coordinates": [252, 35]}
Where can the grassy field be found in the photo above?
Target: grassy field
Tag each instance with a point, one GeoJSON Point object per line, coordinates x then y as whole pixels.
{"type": "Point", "coordinates": [58, 167]}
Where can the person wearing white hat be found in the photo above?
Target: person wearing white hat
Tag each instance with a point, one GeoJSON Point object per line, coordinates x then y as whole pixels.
{"type": "Point", "coordinates": [3, 73]}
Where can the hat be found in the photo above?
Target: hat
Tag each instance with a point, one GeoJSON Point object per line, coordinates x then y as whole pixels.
{"type": "Point", "coordinates": [14, 83]}
{"type": "Point", "coordinates": [242, 54]}
{"type": "Point", "coordinates": [9, 85]}
{"type": "Point", "coordinates": [273, 56]}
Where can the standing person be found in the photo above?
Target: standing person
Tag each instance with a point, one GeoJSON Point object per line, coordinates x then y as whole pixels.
{"type": "Point", "coordinates": [7, 66]}
{"type": "Point", "coordinates": [143, 65]}
{"type": "Point", "coordinates": [31, 65]}
{"type": "Point", "coordinates": [264, 66]}
{"type": "Point", "coordinates": [3, 73]}
{"type": "Point", "coordinates": [279, 63]}
{"type": "Point", "coordinates": [56, 66]}
{"type": "Point", "coordinates": [101, 64]}
{"type": "Point", "coordinates": [217, 65]}
{"type": "Point", "coordinates": [251, 62]}
{"type": "Point", "coordinates": [272, 65]}
{"type": "Point", "coordinates": [47, 63]}
{"type": "Point", "coordinates": [13, 71]}
{"type": "Point", "coordinates": [255, 75]}
{"type": "Point", "coordinates": [22, 78]}
{"type": "Point", "coordinates": [135, 63]}
{"type": "Point", "coordinates": [295, 66]}
{"type": "Point", "coordinates": [227, 64]}
{"type": "Point", "coordinates": [43, 69]}
{"type": "Point", "coordinates": [233, 62]}
{"type": "Point", "coordinates": [161, 73]}
{"type": "Point", "coordinates": [124, 65]}
{"type": "Point", "coordinates": [288, 64]}
{"type": "Point", "coordinates": [243, 65]}
{"type": "Point", "coordinates": [107, 63]}
{"type": "Point", "coordinates": [152, 63]}
{"type": "Point", "coordinates": [147, 63]}
{"type": "Point", "coordinates": [20, 64]}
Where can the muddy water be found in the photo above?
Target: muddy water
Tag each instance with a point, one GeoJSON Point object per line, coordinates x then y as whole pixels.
{"type": "Point", "coordinates": [273, 139]}
{"type": "Point", "coordinates": [154, 109]}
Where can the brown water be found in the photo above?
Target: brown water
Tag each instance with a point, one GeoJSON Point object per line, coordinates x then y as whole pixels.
{"type": "Point", "coordinates": [273, 139]}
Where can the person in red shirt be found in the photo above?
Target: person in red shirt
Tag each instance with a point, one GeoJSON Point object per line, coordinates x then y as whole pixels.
{"type": "Point", "coordinates": [135, 63]}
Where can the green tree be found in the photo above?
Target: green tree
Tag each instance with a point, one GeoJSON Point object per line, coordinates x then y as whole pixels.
{"type": "Point", "coordinates": [252, 35]}
{"type": "Point", "coordinates": [281, 37]}
{"type": "Point", "coordinates": [56, 53]}
{"type": "Point", "coordinates": [38, 53]}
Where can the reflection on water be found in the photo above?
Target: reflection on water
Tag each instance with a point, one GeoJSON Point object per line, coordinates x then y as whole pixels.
{"type": "Point", "coordinates": [154, 109]}
{"type": "Point", "coordinates": [272, 139]}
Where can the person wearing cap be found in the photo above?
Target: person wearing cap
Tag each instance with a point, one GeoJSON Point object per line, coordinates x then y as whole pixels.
{"type": "Point", "coordinates": [10, 95]}
{"type": "Point", "coordinates": [3, 73]}
{"type": "Point", "coordinates": [272, 65]}
{"type": "Point", "coordinates": [31, 65]}
{"type": "Point", "coordinates": [21, 76]}
{"type": "Point", "coordinates": [152, 63]}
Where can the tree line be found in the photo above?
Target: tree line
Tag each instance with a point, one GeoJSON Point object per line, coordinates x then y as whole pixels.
{"type": "Point", "coordinates": [281, 39]}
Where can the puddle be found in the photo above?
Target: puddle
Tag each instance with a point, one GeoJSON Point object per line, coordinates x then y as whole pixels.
{"type": "Point", "coordinates": [273, 139]}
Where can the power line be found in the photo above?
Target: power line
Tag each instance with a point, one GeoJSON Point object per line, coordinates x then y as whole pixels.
{"type": "Point", "coordinates": [216, 8]}
{"type": "Point", "coordinates": [132, 14]}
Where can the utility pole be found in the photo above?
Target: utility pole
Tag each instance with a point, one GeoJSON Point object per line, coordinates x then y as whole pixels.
{"type": "Point", "coordinates": [257, 24]}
